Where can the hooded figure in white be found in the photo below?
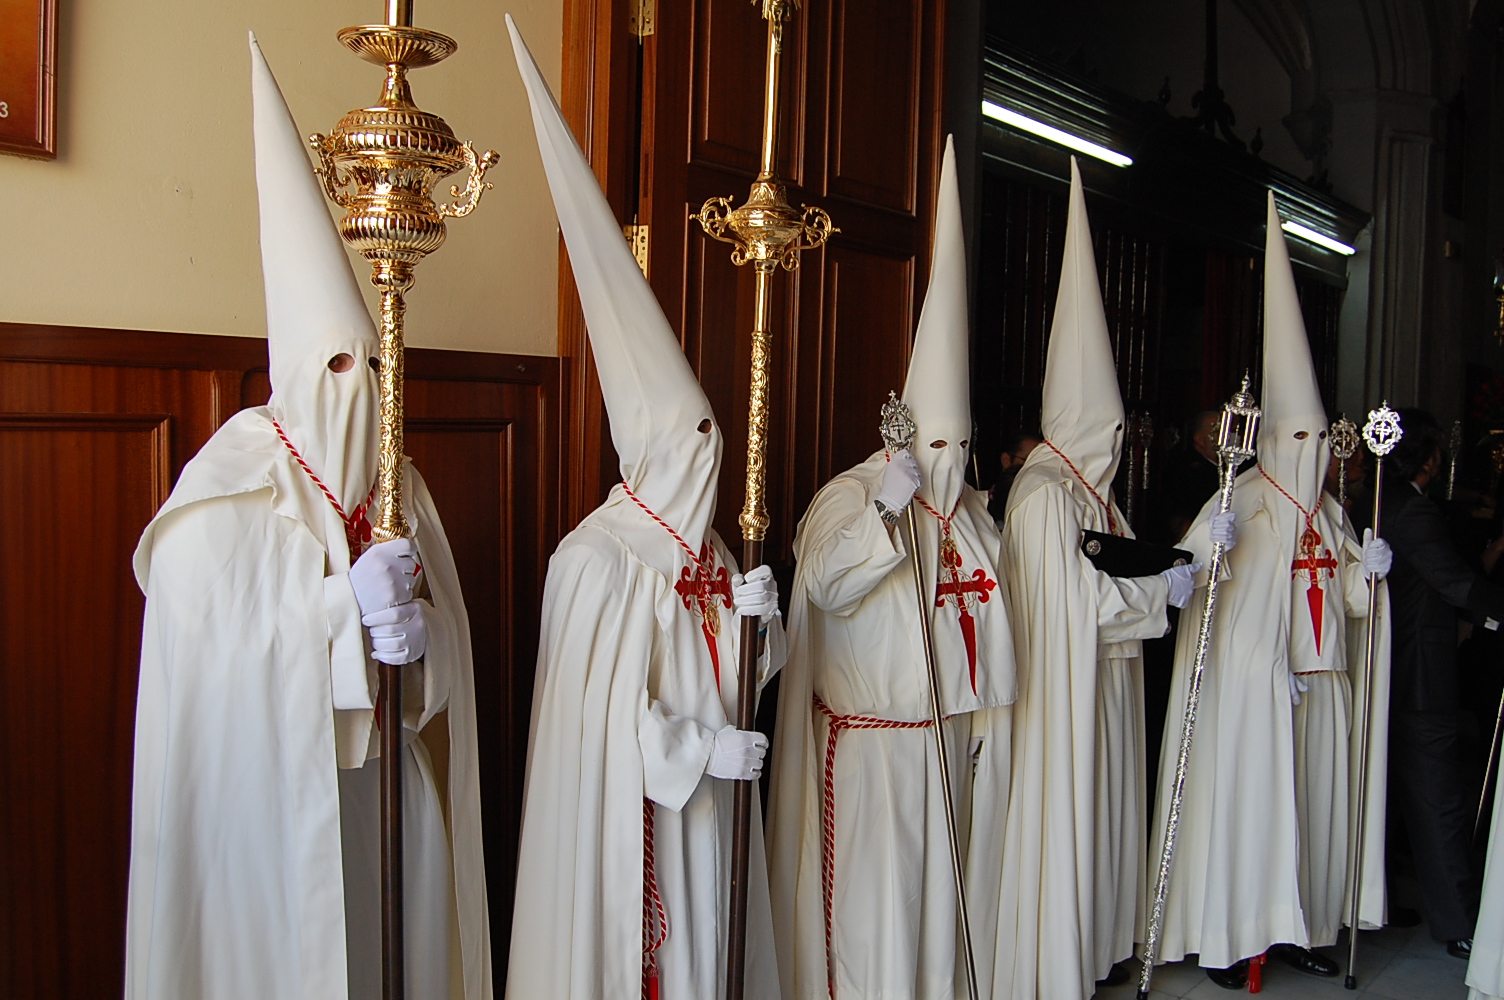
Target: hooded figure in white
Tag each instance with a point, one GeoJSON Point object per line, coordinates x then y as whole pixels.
{"type": "Point", "coordinates": [254, 838]}
{"type": "Point", "coordinates": [1261, 855]}
{"type": "Point", "coordinates": [1058, 896]}
{"type": "Point", "coordinates": [864, 896]}
{"type": "Point", "coordinates": [624, 870]}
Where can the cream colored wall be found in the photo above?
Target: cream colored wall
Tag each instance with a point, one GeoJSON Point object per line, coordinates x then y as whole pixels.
{"type": "Point", "coordinates": [147, 219]}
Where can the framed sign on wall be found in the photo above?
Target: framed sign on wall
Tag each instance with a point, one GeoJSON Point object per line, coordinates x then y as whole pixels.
{"type": "Point", "coordinates": [28, 77]}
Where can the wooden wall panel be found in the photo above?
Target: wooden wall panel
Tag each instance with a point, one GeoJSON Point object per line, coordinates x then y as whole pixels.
{"type": "Point", "coordinates": [94, 427]}
{"type": "Point", "coordinates": [868, 299]}
{"type": "Point", "coordinates": [76, 489]}
{"type": "Point", "coordinates": [876, 58]}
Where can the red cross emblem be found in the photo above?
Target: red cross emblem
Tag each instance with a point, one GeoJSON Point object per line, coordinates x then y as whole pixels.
{"type": "Point", "coordinates": [699, 593]}
{"type": "Point", "coordinates": [963, 592]}
{"type": "Point", "coordinates": [1310, 565]}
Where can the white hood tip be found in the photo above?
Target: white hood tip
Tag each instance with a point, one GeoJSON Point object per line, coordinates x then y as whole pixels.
{"type": "Point", "coordinates": [314, 309]}
{"type": "Point", "coordinates": [1291, 396]}
{"type": "Point", "coordinates": [653, 400]}
{"type": "Point", "coordinates": [938, 385]}
{"type": "Point", "coordinates": [308, 281]}
{"type": "Point", "coordinates": [1082, 408]}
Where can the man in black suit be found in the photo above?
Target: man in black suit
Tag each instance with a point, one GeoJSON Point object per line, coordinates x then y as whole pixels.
{"type": "Point", "coordinates": [1429, 583]}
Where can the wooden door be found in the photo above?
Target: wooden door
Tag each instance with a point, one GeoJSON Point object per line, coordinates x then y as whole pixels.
{"type": "Point", "coordinates": [861, 137]}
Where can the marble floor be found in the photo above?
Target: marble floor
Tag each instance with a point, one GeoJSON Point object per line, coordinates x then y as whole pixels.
{"type": "Point", "coordinates": [1393, 964]}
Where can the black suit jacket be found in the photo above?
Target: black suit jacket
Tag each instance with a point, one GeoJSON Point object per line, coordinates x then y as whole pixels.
{"type": "Point", "coordinates": [1428, 584]}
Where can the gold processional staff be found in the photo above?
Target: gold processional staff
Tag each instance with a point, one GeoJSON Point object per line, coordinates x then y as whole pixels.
{"type": "Point", "coordinates": [766, 231]}
{"type": "Point", "coordinates": [393, 154]}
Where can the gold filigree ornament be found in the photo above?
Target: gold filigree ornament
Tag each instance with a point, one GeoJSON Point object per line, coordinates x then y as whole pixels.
{"type": "Point", "coordinates": [380, 164]}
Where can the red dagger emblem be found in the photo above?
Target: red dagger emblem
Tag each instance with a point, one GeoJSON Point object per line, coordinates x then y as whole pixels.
{"type": "Point", "coordinates": [1311, 566]}
{"type": "Point", "coordinates": [963, 592]}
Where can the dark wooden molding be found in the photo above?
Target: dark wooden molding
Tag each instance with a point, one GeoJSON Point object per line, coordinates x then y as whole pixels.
{"type": "Point", "coordinates": [200, 352]}
{"type": "Point", "coordinates": [131, 348]}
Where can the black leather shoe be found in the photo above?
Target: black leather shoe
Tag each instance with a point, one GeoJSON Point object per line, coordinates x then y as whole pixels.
{"type": "Point", "coordinates": [1116, 976]}
{"type": "Point", "coordinates": [1304, 960]}
{"type": "Point", "coordinates": [1462, 949]}
{"type": "Point", "coordinates": [1234, 977]}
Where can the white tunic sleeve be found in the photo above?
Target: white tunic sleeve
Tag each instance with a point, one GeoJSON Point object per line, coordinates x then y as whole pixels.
{"type": "Point", "coordinates": [850, 551]}
{"type": "Point", "coordinates": [1129, 609]}
{"type": "Point", "coordinates": [675, 750]}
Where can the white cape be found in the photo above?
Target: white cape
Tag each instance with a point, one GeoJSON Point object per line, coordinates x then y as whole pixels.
{"type": "Point", "coordinates": [1261, 855]}
{"type": "Point", "coordinates": [856, 644]}
{"type": "Point", "coordinates": [241, 867]}
{"type": "Point", "coordinates": [625, 709]}
{"type": "Point", "coordinates": [1055, 904]}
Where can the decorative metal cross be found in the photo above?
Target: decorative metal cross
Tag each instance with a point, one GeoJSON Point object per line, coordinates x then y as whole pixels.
{"type": "Point", "coordinates": [1382, 432]}
{"type": "Point", "coordinates": [1344, 441]}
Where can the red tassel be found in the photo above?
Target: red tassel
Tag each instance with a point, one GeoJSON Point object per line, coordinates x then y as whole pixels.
{"type": "Point", "coordinates": [1256, 973]}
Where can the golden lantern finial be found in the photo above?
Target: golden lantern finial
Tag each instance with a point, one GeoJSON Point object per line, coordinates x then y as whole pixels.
{"type": "Point", "coordinates": [380, 165]}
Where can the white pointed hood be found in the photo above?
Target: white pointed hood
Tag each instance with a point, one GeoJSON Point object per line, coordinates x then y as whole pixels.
{"type": "Point", "coordinates": [654, 402]}
{"type": "Point", "coordinates": [938, 386]}
{"type": "Point", "coordinates": [314, 310]}
{"type": "Point", "coordinates": [1291, 400]}
{"type": "Point", "coordinates": [1082, 409]}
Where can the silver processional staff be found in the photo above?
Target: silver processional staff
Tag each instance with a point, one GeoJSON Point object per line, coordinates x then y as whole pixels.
{"type": "Point", "coordinates": [1237, 436]}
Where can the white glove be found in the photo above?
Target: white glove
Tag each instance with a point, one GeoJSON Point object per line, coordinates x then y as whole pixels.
{"type": "Point", "coordinates": [737, 755]}
{"type": "Point", "coordinates": [1297, 688]}
{"type": "Point", "coordinates": [901, 481]}
{"type": "Point", "coordinates": [398, 635]}
{"type": "Point", "coordinates": [755, 594]}
{"type": "Point", "coordinates": [1377, 555]}
{"type": "Point", "coordinates": [1222, 526]}
{"type": "Point", "coordinates": [1182, 581]}
{"type": "Point", "coordinates": [384, 576]}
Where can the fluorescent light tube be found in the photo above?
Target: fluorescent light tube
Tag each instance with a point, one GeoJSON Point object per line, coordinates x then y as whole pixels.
{"type": "Point", "coordinates": [1312, 236]}
{"type": "Point", "coordinates": [1008, 117]}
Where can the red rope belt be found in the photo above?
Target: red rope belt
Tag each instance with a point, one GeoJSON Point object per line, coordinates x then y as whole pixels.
{"type": "Point", "coordinates": [828, 814]}
{"type": "Point", "coordinates": [653, 916]}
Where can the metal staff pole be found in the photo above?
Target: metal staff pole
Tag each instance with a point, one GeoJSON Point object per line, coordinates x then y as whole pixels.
{"type": "Point", "coordinates": [1381, 434]}
{"type": "Point", "coordinates": [1454, 452]}
{"type": "Point", "coordinates": [1344, 442]}
{"type": "Point", "coordinates": [767, 232]}
{"type": "Point", "coordinates": [1237, 436]}
{"type": "Point", "coordinates": [1488, 772]}
{"type": "Point", "coordinates": [898, 430]}
{"type": "Point", "coordinates": [393, 154]}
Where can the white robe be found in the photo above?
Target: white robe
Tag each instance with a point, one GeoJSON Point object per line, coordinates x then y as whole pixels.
{"type": "Point", "coordinates": [625, 709]}
{"type": "Point", "coordinates": [1262, 851]}
{"type": "Point", "coordinates": [253, 821]}
{"type": "Point", "coordinates": [856, 645]}
{"type": "Point", "coordinates": [1068, 878]}
{"type": "Point", "coordinates": [1485, 969]}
